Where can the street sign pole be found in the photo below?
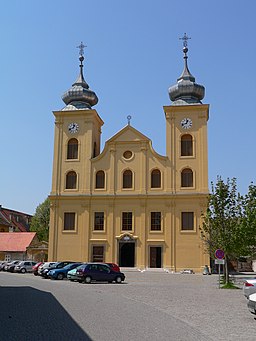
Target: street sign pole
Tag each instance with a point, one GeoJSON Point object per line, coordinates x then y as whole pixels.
{"type": "Point", "coordinates": [219, 275]}
{"type": "Point", "coordinates": [219, 262]}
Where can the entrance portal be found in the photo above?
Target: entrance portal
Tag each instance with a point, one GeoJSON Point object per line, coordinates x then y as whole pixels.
{"type": "Point", "coordinates": [155, 255]}
{"type": "Point", "coordinates": [126, 254]}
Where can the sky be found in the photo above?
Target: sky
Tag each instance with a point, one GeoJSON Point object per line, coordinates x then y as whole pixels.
{"type": "Point", "coordinates": [133, 56]}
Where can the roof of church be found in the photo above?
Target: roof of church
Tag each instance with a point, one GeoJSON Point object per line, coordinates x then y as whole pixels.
{"type": "Point", "coordinates": [16, 241]}
{"type": "Point", "coordinates": [186, 90]}
{"type": "Point", "coordinates": [79, 96]}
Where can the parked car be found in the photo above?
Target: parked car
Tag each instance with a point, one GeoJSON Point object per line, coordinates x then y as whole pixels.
{"type": "Point", "coordinates": [45, 266]}
{"type": "Point", "coordinates": [35, 268]}
{"type": "Point", "coordinates": [11, 265]}
{"type": "Point", "coordinates": [61, 273]}
{"type": "Point", "coordinates": [72, 274]}
{"type": "Point", "coordinates": [113, 266]}
{"type": "Point", "coordinates": [25, 266]}
{"type": "Point", "coordinates": [99, 272]}
{"type": "Point", "coordinates": [249, 287]}
{"type": "Point", "coordinates": [252, 303]}
{"type": "Point", "coordinates": [57, 265]}
{"type": "Point", "coordinates": [2, 264]}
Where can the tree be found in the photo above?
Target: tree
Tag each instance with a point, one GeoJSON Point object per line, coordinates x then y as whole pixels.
{"type": "Point", "coordinates": [40, 221]}
{"type": "Point", "coordinates": [222, 228]}
{"type": "Point", "coordinates": [249, 221]}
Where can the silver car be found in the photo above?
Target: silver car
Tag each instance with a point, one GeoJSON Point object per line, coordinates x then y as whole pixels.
{"type": "Point", "coordinates": [24, 266]}
{"type": "Point", "coordinates": [45, 265]}
{"type": "Point", "coordinates": [249, 287]}
{"type": "Point", "coordinates": [252, 303]}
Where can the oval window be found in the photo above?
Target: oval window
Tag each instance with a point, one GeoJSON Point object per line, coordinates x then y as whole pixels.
{"type": "Point", "coordinates": [127, 154]}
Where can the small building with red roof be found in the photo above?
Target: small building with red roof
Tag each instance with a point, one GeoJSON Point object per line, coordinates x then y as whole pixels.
{"type": "Point", "coordinates": [18, 245]}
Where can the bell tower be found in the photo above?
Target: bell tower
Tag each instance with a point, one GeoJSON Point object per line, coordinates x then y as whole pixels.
{"type": "Point", "coordinates": [186, 133]}
{"type": "Point", "coordinates": [77, 137]}
{"type": "Point", "coordinates": [76, 141]}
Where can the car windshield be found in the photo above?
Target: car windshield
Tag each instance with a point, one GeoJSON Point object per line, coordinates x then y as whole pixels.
{"type": "Point", "coordinates": [68, 266]}
{"type": "Point", "coordinates": [81, 266]}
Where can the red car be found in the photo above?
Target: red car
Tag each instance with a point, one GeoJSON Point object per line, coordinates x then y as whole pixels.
{"type": "Point", "coordinates": [35, 268]}
{"type": "Point", "coordinates": [113, 267]}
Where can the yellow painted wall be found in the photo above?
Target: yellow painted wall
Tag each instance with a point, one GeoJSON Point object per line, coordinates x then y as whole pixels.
{"type": "Point", "coordinates": [180, 249]}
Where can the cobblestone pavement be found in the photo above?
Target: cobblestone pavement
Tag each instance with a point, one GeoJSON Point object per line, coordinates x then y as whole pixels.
{"type": "Point", "coordinates": [148, 306]}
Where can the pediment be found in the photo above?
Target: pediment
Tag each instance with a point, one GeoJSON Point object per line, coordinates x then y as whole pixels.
{"type": "Point", "coordinates": [128, 134]}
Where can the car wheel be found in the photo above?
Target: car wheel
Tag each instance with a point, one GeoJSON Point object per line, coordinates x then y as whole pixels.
{"type": "Point", "coordinates": [23, 271]}
{"type": "Point", "coordinates": [118, 279]}
{"type": "Point", "coordinates": [60, 276]}
{"type": "Point", "coordinates": [87, 279]}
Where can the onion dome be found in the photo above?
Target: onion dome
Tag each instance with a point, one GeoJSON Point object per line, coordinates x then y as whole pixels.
{"type": "Point", "coordinates": [186, 90]}
{"type": "Point", "coordinates": [79, 96]}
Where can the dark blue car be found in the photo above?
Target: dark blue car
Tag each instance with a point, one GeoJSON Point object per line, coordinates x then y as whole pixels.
{"type": "Point", "coordinates": [98, 272]}
{"type": "Point", "coordinates": [62, 272]}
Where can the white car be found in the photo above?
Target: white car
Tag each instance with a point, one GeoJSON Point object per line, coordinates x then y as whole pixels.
{"type": "Point", "coordinates": [252, 303]}
{"type": "Point", "coordinates": [45, 265]}
{"type": "Point", "coordinates": [249, 287]}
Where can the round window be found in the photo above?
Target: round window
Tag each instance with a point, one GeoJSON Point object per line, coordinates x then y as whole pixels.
{"type": "Point", "coordinates": [127, 154]}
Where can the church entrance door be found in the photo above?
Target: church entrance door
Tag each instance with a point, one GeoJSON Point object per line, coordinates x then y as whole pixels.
{"type": "Point", "coordinates": [127, 254]}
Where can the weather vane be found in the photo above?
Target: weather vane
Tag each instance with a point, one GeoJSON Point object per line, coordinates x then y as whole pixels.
{"type": "Point", "coordinates": [81, 48]}
{"type": "Point", "coordinates": [129, 117]}
{"type": "Point", "coordinates": [185, 39]}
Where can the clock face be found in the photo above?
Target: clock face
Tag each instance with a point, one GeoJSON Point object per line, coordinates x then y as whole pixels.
{"type": "Point", "coordinates": [73, 127]}
{"type": "Point", "coordinates": [186, 123]}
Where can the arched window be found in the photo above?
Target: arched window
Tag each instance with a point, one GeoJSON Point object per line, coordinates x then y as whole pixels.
{"type": "Point", "coordinates": [187, 178]}
{"type": "Point", "coordinates": [71, 178]}
{"type": "Point", "coordinates": [127, 179]}
{"type": "Point", "coordinates": [100, 179]}
{"type": "Point", "coordinates": [72, 152]}
{"type": "Point", "coordinates": [186, 145]}
{"type": "Point", "coordinates": [155, 178]}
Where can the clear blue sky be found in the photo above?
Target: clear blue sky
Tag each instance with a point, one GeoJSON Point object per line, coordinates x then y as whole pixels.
{"type": "Point", "coordinates": [133, 55]}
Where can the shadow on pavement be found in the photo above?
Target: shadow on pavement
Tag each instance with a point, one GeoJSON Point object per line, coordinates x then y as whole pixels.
{"type": "Point", "coordinates": [28, 314]}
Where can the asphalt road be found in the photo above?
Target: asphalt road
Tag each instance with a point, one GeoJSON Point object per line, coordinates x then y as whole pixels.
{"type": "Point", "coordinates": [148, 306]}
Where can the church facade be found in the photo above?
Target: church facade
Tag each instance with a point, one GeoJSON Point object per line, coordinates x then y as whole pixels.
{"type": "Point", "coordinates": [127, 204]}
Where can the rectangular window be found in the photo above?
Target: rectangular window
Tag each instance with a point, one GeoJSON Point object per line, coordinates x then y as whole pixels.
{"type": "Point", "coordinates": [98, 254]}
{"type": "Point", "coordinates": [98, 221]}
{"type": "Point", "coordinates": [187, 221]}
{"type": "Point", "coordinates": [69, 221]}
{"type": "Point", "coordinates": [155, 221]}
{"type": "Point", "coordinates": [127, 221]}
{"type": "Point", "coordinates": [7, 258]}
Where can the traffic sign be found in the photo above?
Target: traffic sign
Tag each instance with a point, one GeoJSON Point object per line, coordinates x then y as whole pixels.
{"type": "Point", "coordinates": [219, 261]}
{"type": "Point", "coordinates": [219, 254]}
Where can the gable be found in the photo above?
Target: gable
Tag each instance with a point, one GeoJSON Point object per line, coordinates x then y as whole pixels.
{"type": "Point", "coordinates": [128, 134]}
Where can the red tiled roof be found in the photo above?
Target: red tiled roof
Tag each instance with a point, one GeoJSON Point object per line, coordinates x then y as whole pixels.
{"type": "Point", "coordinates": [16, 219]}
{"type": "Point", "coordinates": [15, 241]}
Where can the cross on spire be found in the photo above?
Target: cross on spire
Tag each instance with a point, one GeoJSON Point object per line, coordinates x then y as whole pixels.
{"type": "Point", "coordinates": [129, 117]}
{"type": "Point", "coordinates": [81, 48]}
{"type": "Point", "coordinates": [185, 39]}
